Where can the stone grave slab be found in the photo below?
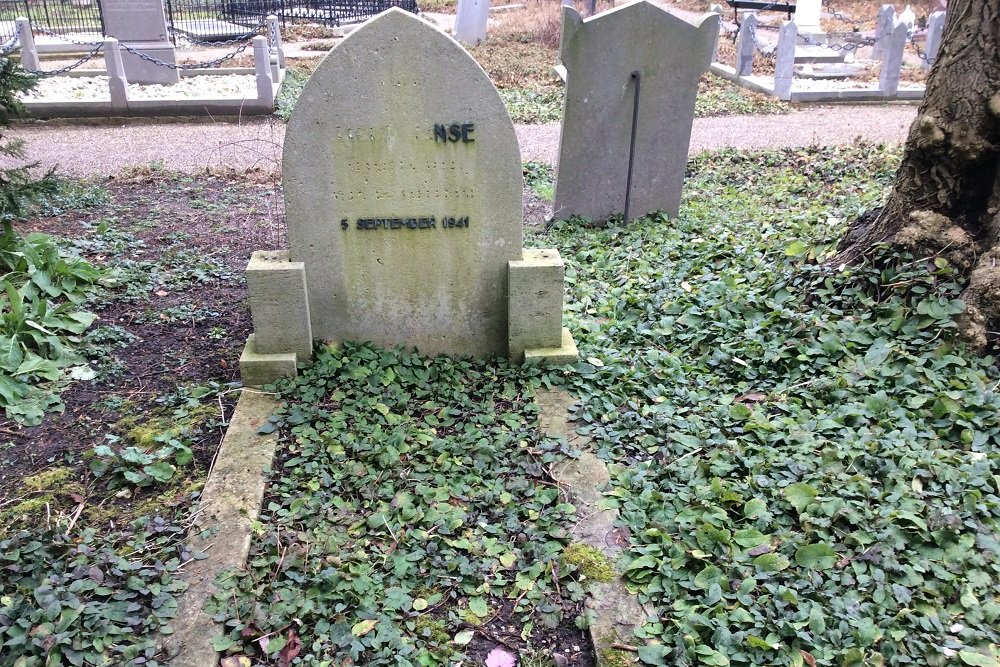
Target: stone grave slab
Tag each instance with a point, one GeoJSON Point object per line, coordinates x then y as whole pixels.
{"type": "Point", "coordinates": [403, 186]}
{"type": "Point", "coordinates": [606, 56]}
{"type": "Point", "coordinates": [141, 25]}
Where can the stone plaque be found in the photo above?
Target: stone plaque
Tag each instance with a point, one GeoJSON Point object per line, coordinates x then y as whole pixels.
{"type": "Point", "coordinates": [135, 20]}
{"type": "Point", "coordinates": [606, 57]}
{"type": "Point", "coordinates": [402, 183]}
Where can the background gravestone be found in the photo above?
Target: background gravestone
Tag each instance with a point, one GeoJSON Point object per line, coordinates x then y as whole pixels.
{"type": "Point", "coordinates": [402, 182]}
{"type": "Point", "coordinates": [141, 25]}
{"type": "Point", "coordinates": [471, 21]}
{"type": "Point", "coordinates": [600, 54]}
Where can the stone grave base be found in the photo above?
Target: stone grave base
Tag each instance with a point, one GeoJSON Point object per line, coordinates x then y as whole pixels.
{"type": "Point", "coordinates": [282, 338]}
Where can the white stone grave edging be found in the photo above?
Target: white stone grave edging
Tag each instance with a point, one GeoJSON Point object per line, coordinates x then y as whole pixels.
{"type": "Point", "coordinates": [889, 47]}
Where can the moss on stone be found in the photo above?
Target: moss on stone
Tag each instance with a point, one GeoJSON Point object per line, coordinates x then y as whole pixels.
{"type": "Point", "coordinates": [589, 562]}
{"type": "Point", "coordinates": [145, 433]}
{"type": "Point", "coordinates": [433, 630]}
{"type": "Point", "coordinates": [54, 479]}
{"type": "Point", "coordinates": [613, 657]}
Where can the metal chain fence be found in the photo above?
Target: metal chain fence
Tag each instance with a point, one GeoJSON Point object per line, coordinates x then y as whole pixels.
{"type": "Point", "coordinates": [203, 65]}
{"type": "Point", "coordinates": [63, 70]}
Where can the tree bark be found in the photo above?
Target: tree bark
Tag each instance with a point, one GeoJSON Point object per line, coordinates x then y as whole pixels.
{"type": "Point", "coordinates": [946, 198]}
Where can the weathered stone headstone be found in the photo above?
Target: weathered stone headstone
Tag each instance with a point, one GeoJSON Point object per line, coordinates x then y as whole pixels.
{"type": "Point", "coordinates": [935, 29]}
{"type": "Point", "coordinates": [402, 181]}
{"type": "Point", "coordinates": [784, 60]}
{"type": "Point", "coordinates": [883, 30]}
{"type": "Point", "coordinates": [746, 45]}
{"type": "Point", "coordinates": [471, 21]}
{"type": "Point", "coordinates": [606, 57]}
{"type": "Point", "coordinates": [141, 25]}
{"type": "Point", "coordinates": [892, 61]}
{"type": "Point", "coordinates": [807, 16]}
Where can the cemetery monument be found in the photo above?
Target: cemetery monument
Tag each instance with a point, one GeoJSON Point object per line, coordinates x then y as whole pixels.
{"type": "Point", "coordinates": [631, 81]}
{"type": "Point", "coordinates": [142, 25]}
{"type": "Point", "coordinates": [403, 186]}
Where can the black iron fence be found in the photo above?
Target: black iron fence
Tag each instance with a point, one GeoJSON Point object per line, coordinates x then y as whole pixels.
{"type": "Point", "coordinates": [201, 20]}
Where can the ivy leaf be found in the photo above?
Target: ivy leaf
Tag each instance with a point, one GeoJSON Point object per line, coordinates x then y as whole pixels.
{"type": "Point", "coordinates": [816, 557]}
{"type": "Point", "coordinates": [771, 562]}
{"type": "Point", "coordinates": [362, 628]}
{"type": "Point", "coordinates": [800, 495]}
{"type": "Point", "coordinates": [463, 638]}
{"type": "Point", "coordinates": [978, 659]}
{"type": "Point", "coordinates": [478, 606]}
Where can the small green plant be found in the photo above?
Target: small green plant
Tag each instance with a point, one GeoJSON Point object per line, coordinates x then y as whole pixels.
{"type": "Point", "coordinates": [141, 466]}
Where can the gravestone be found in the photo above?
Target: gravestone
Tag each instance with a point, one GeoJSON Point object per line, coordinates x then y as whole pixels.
{"type": "Point", "coordinates": [807, 16]}
{"type": "Point", "coordinates": [935, 29]}
{"type": "Point", "coordinates": [141, 25]}
{"type": "Point", "coordinates": [471, 21]}
{"type": "Point", "coordinates": [636, 47]}
{"type": "Point", "coordinates": [883, 31]}
{"type": "Point", "coordinates": [746, 45]}
{"type": "Point", "coordinates": [784, 60]}
{"type": "Point", "coordinates": [403, 186]}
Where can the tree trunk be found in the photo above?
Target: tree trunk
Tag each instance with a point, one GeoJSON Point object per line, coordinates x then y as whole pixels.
{"type": "Point", "coordinates": [946, 198]}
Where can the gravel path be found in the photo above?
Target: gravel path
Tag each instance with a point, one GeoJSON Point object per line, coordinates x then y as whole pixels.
{"type": "Point", "coordinates": [105, 149]}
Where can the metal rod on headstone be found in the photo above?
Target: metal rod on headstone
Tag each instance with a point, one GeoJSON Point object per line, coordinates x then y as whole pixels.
{"type": "Point", "coordinates": [888, 79]}
{"type": "Point", "coordinates": [935, 26]}
{"type": "Point", "coordinates": [784, 60]}
{"type": "Point", "coordinates": [262, 65]}
{"type": "Point", "coordinates": [745, 45]}
{"type": "Point", "coordinates": [29, 54]}
{"type": "Point", "coordinates": [637, 78]}
{"type": "Point", "coordinates": [883, 30]}
{"type": "Point", "coordinates": [117, 83]}
{"type": "Point", "coordinates": [274, 39]}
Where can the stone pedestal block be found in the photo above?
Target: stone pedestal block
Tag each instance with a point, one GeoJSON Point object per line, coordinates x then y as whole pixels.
{"type": "Point", "coordinates": [139, 70]}
{"type": "Point", "coordinates": [279, 304]}
{"type": "Point", "coordinates": [257, 369]}
{"type": "Point", "coordinates": [535, 293]}
{"type": "Point", "coordinates": [565, 353]}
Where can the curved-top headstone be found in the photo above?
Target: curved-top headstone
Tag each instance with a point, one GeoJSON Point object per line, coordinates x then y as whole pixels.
{"type": "Point", "coordinates": [402, 181]}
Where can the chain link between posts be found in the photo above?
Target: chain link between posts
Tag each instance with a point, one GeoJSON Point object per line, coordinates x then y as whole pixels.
{"type": "Point", "coordinates": [225, 42]}
{"type": "Point", "coordinates": [10, 45]}
{"type": "Point", "coordinates": [204, 65]}
{"type": "Point", "coordinates": [69, 68]}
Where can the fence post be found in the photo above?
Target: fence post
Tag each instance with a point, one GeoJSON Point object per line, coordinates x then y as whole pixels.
{"type": "Point", "coordinates": [935, 26]}
{"type": "Point", "coordinates": [888, 80]}
{"type": "Point", "coordinates": [716, 9]}
{"type": "Point", "coordinates": [745, 45]}
{"type": "Point", "coordinates": [883, 30]}
{"type": "Point", "coordinates": [262, 65]}
{"type": "Point", "coordinates": [274, 40]}
{"type": "Point", "coordinates": [784, 60]}
{"type": "Point", "coordinates": [29, 54]}
{"type": "Point", "coordinates": [117, 83]}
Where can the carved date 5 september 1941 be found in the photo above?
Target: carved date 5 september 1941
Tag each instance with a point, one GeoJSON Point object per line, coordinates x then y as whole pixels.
{"type": "Point", "coordinates": [371, 224]}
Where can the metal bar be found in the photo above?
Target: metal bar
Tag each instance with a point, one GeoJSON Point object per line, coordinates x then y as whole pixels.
{"type": "Point", "coordinates": [631, 146]}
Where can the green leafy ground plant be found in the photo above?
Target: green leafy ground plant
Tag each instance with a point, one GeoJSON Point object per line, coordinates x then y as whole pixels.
{"type": "Point", "coordinates": [805, 459]}
{"type": "Point", "coordinates": [411, 505]}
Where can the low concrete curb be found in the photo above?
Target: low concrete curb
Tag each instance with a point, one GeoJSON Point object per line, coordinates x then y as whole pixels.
{"type": "Point", "coordinates": [616, 612]}
{"type": "Point", "coordinates": [230, 503]}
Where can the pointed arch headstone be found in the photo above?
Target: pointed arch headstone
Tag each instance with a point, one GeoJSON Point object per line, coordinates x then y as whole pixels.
{"type": "Point", "coordinates": [403, 191]}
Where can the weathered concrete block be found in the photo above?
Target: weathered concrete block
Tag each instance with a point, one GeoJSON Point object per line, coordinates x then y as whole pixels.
{"type": "Point", "coordinates": [117, 82]}
{"type": "Point", "coordinates": [565, 353]}
{"type": "Point", "coordinates": [266, 84]}
{"type": "Point", "coordinates": [26, 38]}
{"type": "Point", "coordinates": [535, 292]}
{"type": "Point", "coordinates": [279, 304]}
{"type": "Point", "coordinates": [257, 369]}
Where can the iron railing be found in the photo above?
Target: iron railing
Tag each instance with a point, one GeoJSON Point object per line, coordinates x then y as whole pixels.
{"type": "Point", "coordinates": [195, 20]}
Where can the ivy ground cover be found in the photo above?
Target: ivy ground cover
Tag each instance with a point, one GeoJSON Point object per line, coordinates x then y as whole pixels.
{"type": "Point", "coordinates": [804, 459]}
